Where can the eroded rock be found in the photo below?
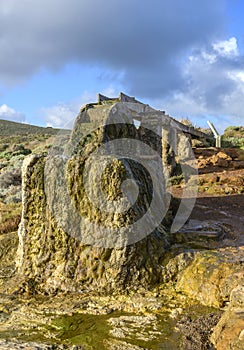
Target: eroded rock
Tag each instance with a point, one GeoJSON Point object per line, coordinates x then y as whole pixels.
{"type": "Point", "coordinates": [228, 334]}
{"type": "Point", "coordinates": [74, 241]}
{"type": "Point", "coordinates": [211, 275]}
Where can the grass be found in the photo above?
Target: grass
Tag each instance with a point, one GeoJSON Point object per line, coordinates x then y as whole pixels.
{"type": "Point", "coordinates": [8, 128]}
{"type": "Point", "coordinates": [22, 139]}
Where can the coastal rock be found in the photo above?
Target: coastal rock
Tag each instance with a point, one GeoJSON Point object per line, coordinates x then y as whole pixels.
{"type": "Point", "coordinates": [76, 235]}
{"type": "Point", "coordinates": [212, 274]}
{"type": "Point", "coordinates": [229, 332]}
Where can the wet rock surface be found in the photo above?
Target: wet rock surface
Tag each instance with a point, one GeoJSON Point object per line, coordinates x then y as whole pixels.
{"type": "Point", "coordinates": [18, 345]}
{"type": "Point", "coordinates": [137, 321]}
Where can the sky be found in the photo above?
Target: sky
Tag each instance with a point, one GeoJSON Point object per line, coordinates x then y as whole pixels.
{"type": "Point", "coordinates": [185, 57]}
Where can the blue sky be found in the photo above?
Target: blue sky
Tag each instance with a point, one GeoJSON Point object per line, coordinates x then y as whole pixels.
{"type": "Point", "coordinates": [184, 57]}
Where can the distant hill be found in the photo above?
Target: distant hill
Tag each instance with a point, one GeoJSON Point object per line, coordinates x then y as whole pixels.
{"type": "Point", "coordinates": [9, 128]}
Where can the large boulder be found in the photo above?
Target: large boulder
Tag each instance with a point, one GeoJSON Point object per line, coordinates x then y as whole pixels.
{"type": "Point", "coordinates": [229, 332]}
{"type": "Point", "coordinates": [93, 209]}
{"type": "Point", "coordinates": [210, 275]}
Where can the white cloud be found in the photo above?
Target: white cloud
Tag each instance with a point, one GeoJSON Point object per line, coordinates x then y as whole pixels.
{"type": "Point", "coordinates": [63, 115]}
{"type": "Point", "coordinates": [226, 47]}
{"type": "Point", "coordinates": [215, 87]}
{"type": "Point", "coordinates": [9, 113]}
{"type": "Point", "coordinates": [59, 116]}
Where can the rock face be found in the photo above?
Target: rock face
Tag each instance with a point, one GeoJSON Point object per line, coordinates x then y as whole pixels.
{"type": "Point", "coordinates": [211, 275]}
{"type": "Point", "coordinates": [229, 332]}
{"type": "Point", "coordinates": [93, 210]}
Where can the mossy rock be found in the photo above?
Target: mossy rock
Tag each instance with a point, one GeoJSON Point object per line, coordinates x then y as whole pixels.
{"type": "Point", "coordinates": [58, 250]}
{"type": "Point", "coordinates": [211, 275]}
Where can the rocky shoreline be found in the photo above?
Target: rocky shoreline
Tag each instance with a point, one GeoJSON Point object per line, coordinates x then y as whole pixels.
{"type": "Point", "coordinates": [175, 311]}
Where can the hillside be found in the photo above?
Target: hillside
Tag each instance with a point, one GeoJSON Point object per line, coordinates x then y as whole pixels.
{"type": "Point", "coordinates": [16, 141]}
{"type": "Point", "coordinates": [21, 139]}
{"type": "Point", "coordinates": [9, 128]}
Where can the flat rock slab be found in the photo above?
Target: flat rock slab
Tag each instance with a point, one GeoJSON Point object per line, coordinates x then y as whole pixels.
{"type": "Point", "coordinates": [203, 230]}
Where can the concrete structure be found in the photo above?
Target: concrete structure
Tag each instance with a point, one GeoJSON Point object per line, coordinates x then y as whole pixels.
{"type": "Point", "coordinates": [175, 136]}
{"type": "Point", "coordinates": [216, 134]}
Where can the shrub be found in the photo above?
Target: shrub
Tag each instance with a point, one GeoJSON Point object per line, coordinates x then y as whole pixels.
{"type": "Point", "coordinates": [3, 147]}
{"type": "Point", "coordinates": [8, 178]}
{"type": "Point", "coordinates": [176, 180]}
{"type": "Point", "coordinates": [233, 137]}
{"type": "Point", "coordinates": [24, 151]}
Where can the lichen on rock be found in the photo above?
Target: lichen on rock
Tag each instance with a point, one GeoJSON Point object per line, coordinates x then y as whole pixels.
{"type": "Point", "coordinates": [92, 216]}
{"type": "Point", "coordinates": [210, 275]}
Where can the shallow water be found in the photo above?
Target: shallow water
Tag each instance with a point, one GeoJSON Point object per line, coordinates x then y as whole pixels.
{"type": "Point", "coordinates": [152, 332]}
{"type": "Point", "coordinates": [103, 331]}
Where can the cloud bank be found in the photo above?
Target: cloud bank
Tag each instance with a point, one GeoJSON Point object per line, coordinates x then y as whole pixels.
{"type": "Point", "coordinates": [174, 53]}
{"type": "Point", "coordinates": [145, 40]}
{"type": "Point", "coordinates": [215, 85]}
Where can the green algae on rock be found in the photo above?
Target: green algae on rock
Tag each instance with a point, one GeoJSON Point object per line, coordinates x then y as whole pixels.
{"type": "Point", "coordinates": [210, 275]}
{"type": "Point", "coordinates": [60, 250]}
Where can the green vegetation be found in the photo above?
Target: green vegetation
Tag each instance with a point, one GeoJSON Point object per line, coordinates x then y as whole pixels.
{"type": "Point", "coordinates": [22, 139]}
{"type": "Point", "coordinates": [233, 137]}
{"type": "Point", "coordinates": [8, 128]}
{"type": "Point", "coordinates": [176, 180]}
{"type": "Point", "coordinates": [17, 140]}
{"type": "Point", "coordinates": [187, 122]}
